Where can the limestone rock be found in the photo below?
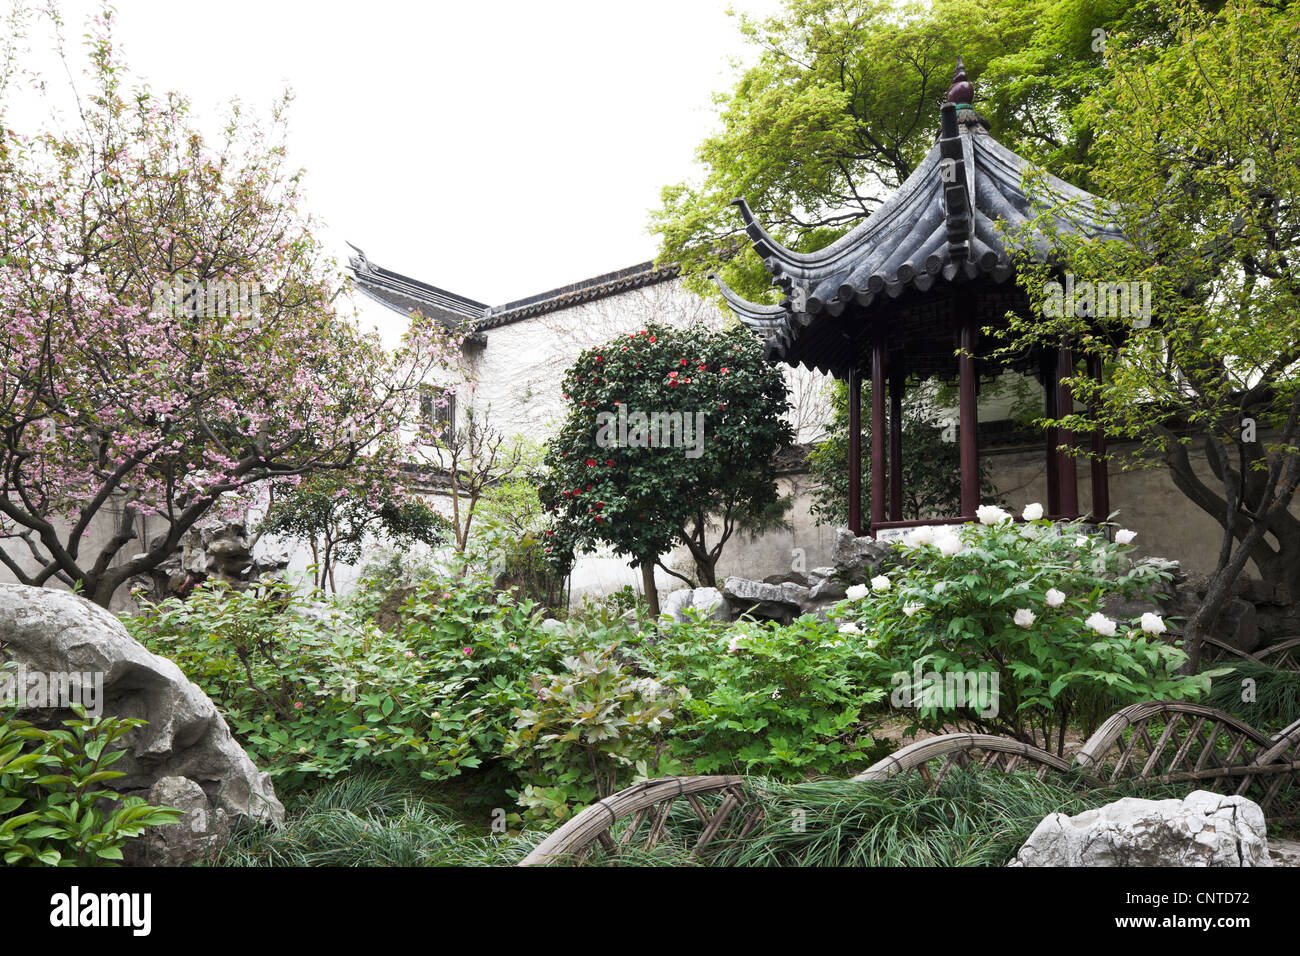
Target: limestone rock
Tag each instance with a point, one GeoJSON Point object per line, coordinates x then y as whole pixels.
{"type": "Point", "coordinates": [782, 602]}
{"type": "Point", "coordinates": [857, 558]}
{"type": "Point", "coordinates": [196, 837]}
{"type": "Point", "coordinates": [56, 632]}
{"type": "Point", "coordinates": [1204, 829]}
{"type": "Point", "coordinates": [707, 603]}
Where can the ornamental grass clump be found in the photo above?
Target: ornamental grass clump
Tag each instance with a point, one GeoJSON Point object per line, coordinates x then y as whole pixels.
{"type": "Point", "coordinates": [1000, 627]}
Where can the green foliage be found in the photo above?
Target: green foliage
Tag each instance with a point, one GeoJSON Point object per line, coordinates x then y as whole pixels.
{"type": "Point", "coordinates": [1273, 701]}
{"type": "Point", "coordinates": [931, 466]}
{"type": "Point", "coordinates": [786, 701]}
{"type": "Point", "coordinates": [956, 614]}
{"type": "Point", "coordinates": [313, 693]}
{"type": "Point", "coordinates": [1195, 146]}
{"type": "Point", "coordinates": [589, 727]}
{"type": "Point", "coordinates": [54, 809]}
{"type": "Point", "coordinates": [363, 820]}
{"type": "Point", "coordinates": [840, 104]}
{"type": "Point", "coordinates": [642, 499]}
{"type": "Point", "coordinates": [335, 516]}
{"type": "Point", "coordinates": [974, 817]}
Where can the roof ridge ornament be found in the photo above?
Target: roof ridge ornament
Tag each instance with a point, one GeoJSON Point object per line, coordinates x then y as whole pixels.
{"type": "Point", "coordinates": [962, 92]}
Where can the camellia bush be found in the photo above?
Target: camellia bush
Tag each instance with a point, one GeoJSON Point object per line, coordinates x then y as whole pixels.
{"type": "Point", "coordinates": [670, 438]}
{"type": "Point", "coordinates": [1001, 626]}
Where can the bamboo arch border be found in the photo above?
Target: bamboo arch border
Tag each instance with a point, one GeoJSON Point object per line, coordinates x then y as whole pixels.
{"type": "Point", "coordinates": [1159, 741]}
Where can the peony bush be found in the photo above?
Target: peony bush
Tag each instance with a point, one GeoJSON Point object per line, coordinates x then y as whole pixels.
{"type": "Point", "coordinates": [1017, 611]}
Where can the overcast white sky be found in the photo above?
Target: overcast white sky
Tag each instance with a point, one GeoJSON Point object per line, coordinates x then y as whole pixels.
{"type": "Point", "coordinates": [497, 149]}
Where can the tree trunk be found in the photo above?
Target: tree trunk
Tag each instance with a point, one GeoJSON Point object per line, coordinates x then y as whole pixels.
{"type": "Point", "coordinates": [648, 585]}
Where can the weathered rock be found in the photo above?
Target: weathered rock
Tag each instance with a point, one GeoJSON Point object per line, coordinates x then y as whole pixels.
{"type": "Point", "coordinates": [706, 603]}
{"type": "Point", "coordinates": [789, 577]}
{"type": "Point", "coordinates": [220, 551]}
{"type": "Point", "coordinates": [196, 837]}
{"type": "Point", "coordinates": [1203, 829]}
{"type": "Point", "coordinates": [856, 558]}
{"type": "Point", "coordinates": [781, 602]}
{"type": "Point", "coordinates": [55, 632]}
{"type": "Point", "coordinates": [827, 590]}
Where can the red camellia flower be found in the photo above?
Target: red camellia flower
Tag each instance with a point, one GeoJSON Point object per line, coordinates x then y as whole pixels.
{"type": "Point", "coordinates": [683, 361]}
{"type": "Point", "coordinates": [701, 368]}
{"type": "Point", "coordinates": [652, 338]}
{"type": "Point", "coordinates": [688, 381]}
{"type": "Point", "coordinates": [724, 371]}
{"type": "Point", "coordinates": [672, 374]}
{"type": "Point", "coordinates": [591, 463]}
{"type": "Point", "coordinates": [610, 462]}
{"type": "Point", "coordinates": [599, 359]}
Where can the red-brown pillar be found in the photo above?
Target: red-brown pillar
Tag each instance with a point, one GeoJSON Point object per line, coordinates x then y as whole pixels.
{"type": "Point", "coordinates": [1065, 463]}
{"type": "Point", "coordinates": [896, 441]}
{"type": "Point", "coordinates": [878, 426]}
{"type": "Point", "coordinates": [1100, 479]}
{"type": "Point", "coordinates": [1049, 410]}
{"type": "Point", "coordinates": [969, 423]}
{"type": "Point", "coordinates": [855, 450]}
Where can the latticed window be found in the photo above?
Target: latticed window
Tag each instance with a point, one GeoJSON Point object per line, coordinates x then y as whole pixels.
{"type": "Point", "coordinates": [438, 418]}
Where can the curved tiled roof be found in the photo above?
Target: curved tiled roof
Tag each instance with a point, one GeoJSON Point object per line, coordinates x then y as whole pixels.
{"type": "Point", "coordinates": [944, 225]}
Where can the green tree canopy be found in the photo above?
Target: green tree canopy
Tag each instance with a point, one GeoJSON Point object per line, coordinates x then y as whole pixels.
{"type": "Point", "coordinates": [670, 432]}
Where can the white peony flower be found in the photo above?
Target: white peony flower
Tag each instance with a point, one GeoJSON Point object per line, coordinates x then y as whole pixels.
{"type": "Point", "coordinates": [733, 645]}
{"type": "Point", "coordinates": [1055, 598]}
{"type": "Point", "coordinates": [776, 694]}
{"type": "Point", "coordinates": [1101, 624]}
{"type": "Point", "coordinates": [1153, 623]}
{"type": "Point", "coordinates": [1032, 512]}
{"type": "Point", "coordinates": [1125, 536]}
{"type": "Point", "coordinates": [921, 535]}
{"type": "Point", "coordinates": [912, 608]}
{"type": "Point", "coordinates": [857, 592]}
{"type": "Point", "coordinates": [880, 583]}
{"type": "Point", "coordinates": [1024, 617]}
{"type": "Point", "coordinates": [1082, 541]}
{"type": "Point", "coordinates": [850, 628]}
{"type": "Point", "coordinates": [949, 544]}
{"type": "Point", "coordinates": [991, 514]}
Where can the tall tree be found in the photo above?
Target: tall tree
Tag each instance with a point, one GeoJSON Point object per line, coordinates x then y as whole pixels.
{"type": "Point", "coordinates": [1199, 141]}
{"type": "Point", "coordinates": [168, 343]}
{"type": "Point", "coordinates": [670, 439]}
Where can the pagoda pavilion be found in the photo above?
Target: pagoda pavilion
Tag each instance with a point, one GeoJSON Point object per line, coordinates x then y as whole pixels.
{"type": "Point", "coordinates": [905, 294]}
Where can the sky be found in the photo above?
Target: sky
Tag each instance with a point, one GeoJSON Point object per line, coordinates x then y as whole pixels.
{"type": "Point", "coordinates": [495, 149]}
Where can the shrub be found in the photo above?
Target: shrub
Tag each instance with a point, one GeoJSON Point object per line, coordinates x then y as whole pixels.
{"type": "Point", "coordinates": [313, 692]}
{"type": "Point", "coordinates": [786, 701]}
{"type": "Point", "coordinates": [975, 600]}
{"type": "Point", "coordinates": [53, 809]}
{"type": "Point", "coordinates": [589, 726]}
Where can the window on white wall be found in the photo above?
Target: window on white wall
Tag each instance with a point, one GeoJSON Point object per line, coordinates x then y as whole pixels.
{"type": "Point", "coordinates": [438, 419]}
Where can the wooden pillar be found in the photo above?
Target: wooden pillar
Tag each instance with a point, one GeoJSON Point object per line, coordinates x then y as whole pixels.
{"type": "Point", "coordinates": [970, 456]}
{"type": "Point", "coordinates": [1065, 463]}
{"type": "Point", "coordinates": [855, 450]}
{"type": "Point", "coordinates": [1049, 359]}
{"type": "Point", "coordinates": [1100, 479]}
{"type": "Point", "coordinates": [896, 440]}
{"type": "Point", "coordinates": [878, 426]}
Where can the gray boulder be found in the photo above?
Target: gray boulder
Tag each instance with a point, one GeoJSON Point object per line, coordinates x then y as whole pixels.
{"type": "Point", "coordinates": [857, 558]}
{"type": "Point", "coordinates": [197, 836]}
{"type": "Point", "coordinates": [706, 603]}
{"type": "Point", "coordinates": [1203, 829]}
{"type": "Point", "coordinates": [48, 632]}
{"type": "Point", "coordinates": [781, 602]}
